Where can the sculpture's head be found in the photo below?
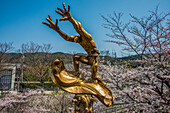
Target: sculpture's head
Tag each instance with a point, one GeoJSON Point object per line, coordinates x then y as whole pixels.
{"type": "Point", "coordinates": [58, 65]}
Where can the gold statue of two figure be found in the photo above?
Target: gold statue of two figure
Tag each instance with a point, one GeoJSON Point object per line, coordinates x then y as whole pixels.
{"type": "Point", "coordinates": [68, 81]}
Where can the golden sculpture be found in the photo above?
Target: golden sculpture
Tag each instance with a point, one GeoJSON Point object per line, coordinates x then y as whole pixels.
{"type": "Point", "coordinates": [84, 39]}
{"type": "Point", "coordinates": [69, 81]}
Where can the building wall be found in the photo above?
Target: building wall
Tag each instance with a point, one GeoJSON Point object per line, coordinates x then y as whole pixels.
{"type": "Point", "coordinates": [13, 77]}
{"type": "Point", "coordinates": [7, 77]}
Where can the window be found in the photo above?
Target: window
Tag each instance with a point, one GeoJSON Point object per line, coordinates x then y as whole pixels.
{"type": "Point", "coordinates": [5, 80]}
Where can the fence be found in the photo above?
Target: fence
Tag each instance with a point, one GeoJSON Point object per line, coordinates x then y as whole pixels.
{"type": "Point", "coordinates": [115, 109]}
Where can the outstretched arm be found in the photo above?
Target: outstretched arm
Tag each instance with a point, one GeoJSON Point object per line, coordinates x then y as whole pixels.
{"type": "Point", "coordinates": [61, 33]}
{"type": "Point", "coordinates": [67, 16]}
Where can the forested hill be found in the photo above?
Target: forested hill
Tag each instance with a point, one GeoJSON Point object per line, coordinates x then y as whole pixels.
{"type": "Point", "coordinates": [16, 57]}
{"type": "Point", "coordinates": [66, 57]}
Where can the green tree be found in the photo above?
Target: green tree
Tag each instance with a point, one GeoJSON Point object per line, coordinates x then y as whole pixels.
{"type": "Point", "coordinates": [37, 61]}
{"type": "Point", "coordinates": [4, 49]}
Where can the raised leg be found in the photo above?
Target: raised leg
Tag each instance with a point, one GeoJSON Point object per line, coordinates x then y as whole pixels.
{"type": "Point", "coordinates": [76, 59]}
{"type": "Point", "coordinates": [90, 60]}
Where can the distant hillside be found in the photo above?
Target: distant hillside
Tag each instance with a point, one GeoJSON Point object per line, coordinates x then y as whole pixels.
{"type": "Point", "coordinates": [67, 58]}
{"type": "Point", "coordinates": [128, 58]}
{"type": "Point", "coordinates": [15, 57]}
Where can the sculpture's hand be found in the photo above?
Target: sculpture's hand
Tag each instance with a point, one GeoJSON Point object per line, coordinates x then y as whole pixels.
{"type": "Point", "coordinates": [51, 24]}
{"type": "Point", "coordinates": [65, 14]}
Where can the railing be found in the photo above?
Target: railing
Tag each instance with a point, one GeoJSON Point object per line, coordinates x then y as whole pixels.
{"type": "Point", "coordinates": [28, 82]}
{"type": "Point", "coordinates": [115, 109]}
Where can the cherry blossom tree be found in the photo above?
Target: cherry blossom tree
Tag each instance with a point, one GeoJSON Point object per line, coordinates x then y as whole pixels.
{"type": "Point", "coordinates": [136, 87]}
{"type": "Point", "coordinates": [36, 101]}
{"type": "Point", "coordinates": [145, 88]}
{"type": "Point", "coordinates": [143, 36]}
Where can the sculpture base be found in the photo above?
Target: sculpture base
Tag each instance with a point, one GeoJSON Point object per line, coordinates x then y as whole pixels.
{"type": "Point", "coordinates": [83, 103]}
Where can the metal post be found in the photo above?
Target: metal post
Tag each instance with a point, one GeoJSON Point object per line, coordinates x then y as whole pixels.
{"type": "Point", "coordinates": [22, 66]}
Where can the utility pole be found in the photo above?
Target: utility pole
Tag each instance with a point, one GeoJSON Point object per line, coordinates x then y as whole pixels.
{"type": "Point", "coordinates": [20, 80]}
{"type": "Point", "coordinates": [22, 67]}
{"type": "Point", "coordinates": [22, 70]}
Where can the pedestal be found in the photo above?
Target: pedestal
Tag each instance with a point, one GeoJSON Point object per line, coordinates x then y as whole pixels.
{"type": "Point", "coordinates": [83, 103]}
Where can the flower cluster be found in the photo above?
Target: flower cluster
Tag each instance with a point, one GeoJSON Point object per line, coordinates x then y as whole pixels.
{"type": "Point", "coordinates": [35, 101]}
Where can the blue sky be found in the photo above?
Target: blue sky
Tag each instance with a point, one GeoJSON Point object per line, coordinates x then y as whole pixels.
{"type": "Point", "coordinates": [21, 20]}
